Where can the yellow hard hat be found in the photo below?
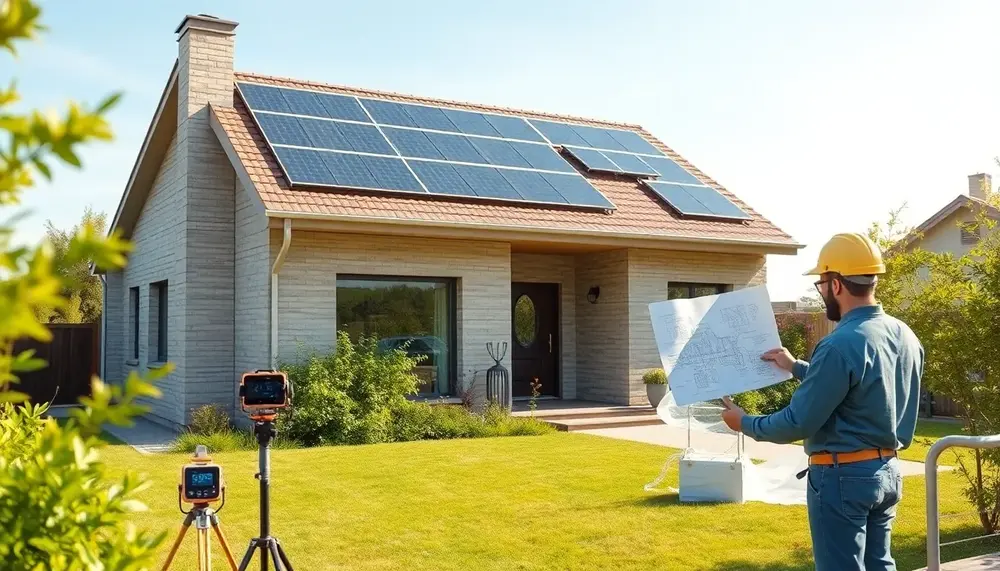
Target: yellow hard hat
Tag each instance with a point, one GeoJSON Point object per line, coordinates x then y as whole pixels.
{"type": "Point", "coordinates": [849, 254]}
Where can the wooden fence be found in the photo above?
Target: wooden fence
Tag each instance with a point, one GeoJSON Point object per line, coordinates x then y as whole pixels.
{"type": "Point", "coordinates": [73, 357]}
{"type": "Point", "coordinates": [818, 326]}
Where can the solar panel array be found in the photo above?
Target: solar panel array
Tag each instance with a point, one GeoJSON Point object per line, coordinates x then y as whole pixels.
{"type": "Point", "coordinates": [327, 139]}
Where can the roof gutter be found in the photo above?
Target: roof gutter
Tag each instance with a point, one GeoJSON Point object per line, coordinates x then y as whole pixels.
{"type": "Point", "coordinates": [768, 245]}
{"type": "Point", "coordinates": [279, 260]}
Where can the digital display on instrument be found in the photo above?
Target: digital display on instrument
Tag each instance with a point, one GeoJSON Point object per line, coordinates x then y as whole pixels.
{"type": "Point", "coordinates": [202, 483]}
{"type": "Point", "coordinates": [264, 390]}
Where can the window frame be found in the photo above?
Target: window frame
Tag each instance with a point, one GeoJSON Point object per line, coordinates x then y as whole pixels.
{"type": "Point", "coordinates": [692, 286]}
{"type": "Point", "coordinates": [134, 306]}
{"type": "Point", "coordinates": [969, 234]}
{"type": "Point", "coordinates": [452, 292]}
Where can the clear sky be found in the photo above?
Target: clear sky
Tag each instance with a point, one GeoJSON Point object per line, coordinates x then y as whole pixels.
{"type": "Point", "coordinates": [823, 116]}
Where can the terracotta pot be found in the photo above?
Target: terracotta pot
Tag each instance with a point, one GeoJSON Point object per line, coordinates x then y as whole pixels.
{"type": "Point", "coordinates": [655, 394]}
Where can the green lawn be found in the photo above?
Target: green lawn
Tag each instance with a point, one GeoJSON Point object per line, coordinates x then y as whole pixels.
{"type": "Point", "coordinates": [561, 501]}
{"type": "Point", "coordinates": [928, 431]}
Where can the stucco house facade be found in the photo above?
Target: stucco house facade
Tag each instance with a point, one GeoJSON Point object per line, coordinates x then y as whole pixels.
{"type": "Point", "coordinates": [952, 230]}
{"type": "Point", "coordinates": [240, 262]}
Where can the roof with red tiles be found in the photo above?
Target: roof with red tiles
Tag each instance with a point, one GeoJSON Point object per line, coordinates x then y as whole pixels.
{"type": "Point", "coordinates": [638, 211]}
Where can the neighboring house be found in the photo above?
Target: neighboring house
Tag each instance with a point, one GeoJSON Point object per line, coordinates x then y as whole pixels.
{"type": "Point", "coordinates": [949, 229]}
{"type": "Point", "coordinates": [260, 228]}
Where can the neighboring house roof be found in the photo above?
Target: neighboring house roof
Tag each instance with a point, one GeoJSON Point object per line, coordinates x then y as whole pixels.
{"type": "Point", "coordinates": [639, 215]}
{"type": "Point", "coordinates": [960, 201]}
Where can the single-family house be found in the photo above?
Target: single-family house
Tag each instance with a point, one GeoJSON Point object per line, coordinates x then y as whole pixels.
{"type": "Point", "coordinates": [269, 213]}
{"type": "Point", "coordinates": [954, 229]}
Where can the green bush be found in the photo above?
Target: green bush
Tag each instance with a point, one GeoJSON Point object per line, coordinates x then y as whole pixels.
{"type": "Point", "coordinates": [209, 419]}
{"type": "Point", "coordinates": [422, 421]}
{"type": "Point", "coordinates": [769, 400]}
{"type": "Point", "coordinates": [654, 377]}
{"type": "Point", "coordinates": [347, 397]}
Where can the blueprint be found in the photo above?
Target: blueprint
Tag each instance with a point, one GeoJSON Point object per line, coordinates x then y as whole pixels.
{"type": "Point", "coordinates": [711, 346]}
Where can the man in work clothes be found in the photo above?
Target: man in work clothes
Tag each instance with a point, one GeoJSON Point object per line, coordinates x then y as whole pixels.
{"type": "Point", "coordinates": [855, 407]}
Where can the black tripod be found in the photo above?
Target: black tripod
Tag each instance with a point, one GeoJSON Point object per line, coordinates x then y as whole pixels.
{"type": "Point", "coordinates": [263, 428]}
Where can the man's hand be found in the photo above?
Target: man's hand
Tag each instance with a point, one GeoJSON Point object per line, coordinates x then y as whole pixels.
{"type": "Point", "coordinates": [780, 357]}
{"type": "Point", "coordinates": [733, 415]}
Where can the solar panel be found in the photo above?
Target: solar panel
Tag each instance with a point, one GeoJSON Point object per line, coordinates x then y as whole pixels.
{"type": "Point", "coordinates": [487, 182]}
{"type": "Point", "coordinates": [559, 133]}
{"type": "Point", "coordinates": [471, 123]}
{"type": "Point", "coordinates": [365, 139]}
{"type": "Point", "coordinates": [542, 157]}
{"type": "Point", "coordinates": [700, 201]}
{"type": "Point", "coordinates": [304, 166]}
{"type": "Point", "coordinates": [411, 143]}
{"type": "Point", "coordinates": [392, 174]}
{"type": "Point", "coordinates": [532, 186]}
{"type": "Point", "coordinates": [578, 190]}
{"type": "Point", "coordinates": [593, 159]}
{"type": "Point", "coordinates": [264, 98]}
{"type": "Point", "coordinates": [283, 130]}
{"type": "Point", "coordinates": [304, 103]}
{"type": "Point", "coordinates": [441, 178]}
{"type": "Point", "coordinates": [634, 142]}
{"type": "Point", "coordinates": [514, 128]}
{"type": "Point", "coordinates": [349, 170]}
{"type": "Point", "coordinates": [598, 138]}
{"type": "Point", "coordinates": [324, 134]}
{"type": "Point", "coordinates": [670, 171]}
{"type": "Point", "coordinates": [388, 112]}
{"type": "Point", "coordinates": [343, 107]}
{"type": "Point", "coordinates": [456, 148]}
{"type": "Point", "coordinates": [430, 118]}
{"type": "Point", "coordinates": [498, 152]}
{"type": "Point", "coordinates": [630, 164]}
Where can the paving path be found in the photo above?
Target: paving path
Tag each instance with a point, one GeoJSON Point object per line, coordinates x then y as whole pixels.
{"type": "Point", "coordinates": [676, 437]}
{"type": "Point", "coordinates": [145, 435]}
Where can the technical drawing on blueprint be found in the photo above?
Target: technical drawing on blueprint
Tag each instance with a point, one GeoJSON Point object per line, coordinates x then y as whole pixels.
{"type": "Point", "coordinates": [711, 346]}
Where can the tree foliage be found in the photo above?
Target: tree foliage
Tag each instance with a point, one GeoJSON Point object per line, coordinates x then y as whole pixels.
{"type": "Point", "coordinates": [59, 509]}
{"type": "Point", "coordinates": [81, 287]}
{"type": "Point", "coordinates": [952, 303]}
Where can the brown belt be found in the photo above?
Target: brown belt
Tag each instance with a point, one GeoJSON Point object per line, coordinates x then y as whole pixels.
{"type": "Point", "coordinates": [832, 458]}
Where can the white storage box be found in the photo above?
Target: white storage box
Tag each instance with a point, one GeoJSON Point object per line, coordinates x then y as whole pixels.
{"type": "Point", "coordinates": [712, 478]}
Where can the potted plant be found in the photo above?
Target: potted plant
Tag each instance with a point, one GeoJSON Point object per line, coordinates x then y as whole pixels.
{"type": "Point", "coordinates": [656, 386]}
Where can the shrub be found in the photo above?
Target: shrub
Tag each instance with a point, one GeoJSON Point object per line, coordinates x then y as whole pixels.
{"type": "Point", "coordinates": [422, 421]}
{"type": "Point", "coordinates": [654, 377]}
{"type": "Point", "coordinates": [347, 397]}
{"type": "Point", "coordinates": [227, 440]}
{"type": "Point", "coordinates": [209, 419]}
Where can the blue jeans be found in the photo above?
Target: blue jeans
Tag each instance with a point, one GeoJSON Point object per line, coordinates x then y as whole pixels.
{"type": "Point", "coordinates": [851, 509]}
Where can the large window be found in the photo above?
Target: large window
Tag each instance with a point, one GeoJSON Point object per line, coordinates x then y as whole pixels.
{"type": "Point", "coordinates": [690, 290]}
{"type": "Point", "coordinates": [158, 315]}
{"type": "Point", "coordinates": [133, 308]}
{"type": "Point", "coordinates": [398, 311]}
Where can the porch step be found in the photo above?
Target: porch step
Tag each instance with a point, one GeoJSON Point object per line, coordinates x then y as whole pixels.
{"type": "Point", "coordinates": [587, 412]}
{"type": "Point", "coordinates": [572, 424]}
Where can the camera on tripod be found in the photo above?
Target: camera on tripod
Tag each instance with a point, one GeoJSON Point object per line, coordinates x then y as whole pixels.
{"type": "Point", "coordinates": [264, 393]}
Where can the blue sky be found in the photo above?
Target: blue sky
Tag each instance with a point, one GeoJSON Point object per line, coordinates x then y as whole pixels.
{"type": "Point", "coordinates": [823, 116]}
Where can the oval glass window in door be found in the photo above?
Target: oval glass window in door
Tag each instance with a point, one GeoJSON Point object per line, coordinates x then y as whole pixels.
{"type": "Point", "coordinates": [525, 321]}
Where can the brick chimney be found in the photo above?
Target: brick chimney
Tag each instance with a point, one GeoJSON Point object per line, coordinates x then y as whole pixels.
{"type": "Point", "coordinates": [207, 181]}
{"type": "Point", "coordinates": [980, 185]}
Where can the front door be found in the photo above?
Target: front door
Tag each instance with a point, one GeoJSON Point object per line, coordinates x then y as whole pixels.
{"type": "Point", "coordinates": [535, 335]}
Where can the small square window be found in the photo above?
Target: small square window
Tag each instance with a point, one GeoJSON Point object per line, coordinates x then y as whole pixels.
{"type": "Point", "coordinates": [970, 234]}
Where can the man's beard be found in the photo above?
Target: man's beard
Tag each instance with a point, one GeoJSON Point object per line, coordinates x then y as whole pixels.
{"type": "Point", "coordinates": [832, 308]}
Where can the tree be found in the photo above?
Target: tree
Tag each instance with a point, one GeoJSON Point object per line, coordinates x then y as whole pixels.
{"type": "Point", "coordinates": [953, 305]}
{"type": "Point", "coordinates": [60, 508]}
{"type": "Point", "coordinates": [81, 287]}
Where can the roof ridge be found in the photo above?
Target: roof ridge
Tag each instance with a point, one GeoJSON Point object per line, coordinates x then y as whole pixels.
{"type": "Point", "coordinates": [437, 100]}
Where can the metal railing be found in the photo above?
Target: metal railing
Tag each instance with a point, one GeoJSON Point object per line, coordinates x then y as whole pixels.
{"type": "Point", "coordinates": [931, 478]}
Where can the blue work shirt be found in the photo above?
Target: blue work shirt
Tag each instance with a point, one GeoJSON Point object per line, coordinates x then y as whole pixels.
{"type": "Point", "coordinates": [861, 390]}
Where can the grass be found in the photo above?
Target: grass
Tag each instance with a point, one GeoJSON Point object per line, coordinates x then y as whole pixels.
{"type": "Point", "coordinates": [558, 501]}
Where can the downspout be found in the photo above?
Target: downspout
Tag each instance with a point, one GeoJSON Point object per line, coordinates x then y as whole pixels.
{"type": "Point", "coordinates": [104, 325]}
{"type": "Point", "coordinates": [286, 241]}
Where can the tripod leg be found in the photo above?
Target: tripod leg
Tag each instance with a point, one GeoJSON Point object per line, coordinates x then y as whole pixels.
{"type": "Point", "coordinates": [248, 555]}
{"type": "Point", "coordinates": [204, 556]}
{"type": "Point", "coordinates": [177, 542]}
{"type": "Point", "coordinates": [284, 558]}
{"type": "Point", "coordinates": [263, 554]}
{"type": "Point", "coordinates": [273, 545]}
{"type": "Point", "coordinates": [222, 540]}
